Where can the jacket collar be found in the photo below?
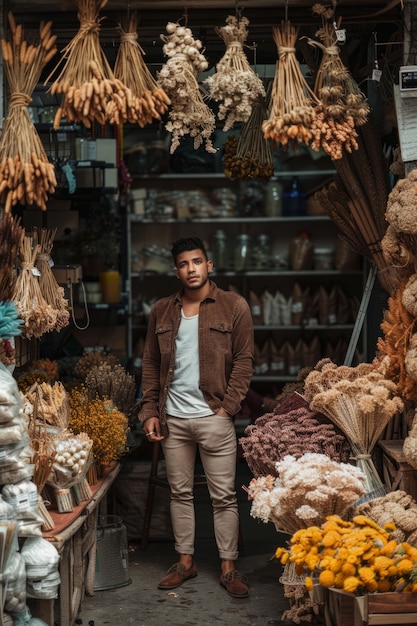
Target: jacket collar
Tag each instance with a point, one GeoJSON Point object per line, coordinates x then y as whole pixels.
{"type": "Point", "coordinates": [211, 296]}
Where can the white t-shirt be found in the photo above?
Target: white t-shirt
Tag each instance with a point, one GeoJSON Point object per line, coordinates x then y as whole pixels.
{"type": "Point", "coordinates": [185, 399]}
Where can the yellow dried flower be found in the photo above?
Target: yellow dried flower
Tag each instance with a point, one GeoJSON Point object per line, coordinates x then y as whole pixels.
{"type": "Point", "coordinates": [326, 578]}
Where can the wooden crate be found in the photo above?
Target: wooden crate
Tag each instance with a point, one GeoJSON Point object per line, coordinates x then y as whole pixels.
{"type": "Point", "coordinates": [397, 473]}
{"type": "Point", "coordinates": [344, 609]}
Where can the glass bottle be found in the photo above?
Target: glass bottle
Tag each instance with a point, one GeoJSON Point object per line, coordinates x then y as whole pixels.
{"type": "Point", "coordinates": [294, 199]}
{"type": "Point", "coordinates": [273, 199]}
{"type": "Point", "coordinates": [220, 251]}
{"type": "Point", "coordinates": [242, 253]}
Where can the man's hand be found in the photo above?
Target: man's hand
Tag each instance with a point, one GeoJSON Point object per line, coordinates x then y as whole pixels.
{"type": "Point", "coordinates": [152, 429]}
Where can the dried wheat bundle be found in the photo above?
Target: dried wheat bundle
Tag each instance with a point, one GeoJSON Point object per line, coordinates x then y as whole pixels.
{"type": "Point", "coordinates": [342, 105]}
{"type": "Point", "coordinates": [189, 114]}
{"type": "Point", "coordinates": [51, 402]}
{"type": "Point", "coordinates": [234, 84]}
{"type": "Point", "coordinates": [11, 236]}
{"type": "Point", "coordinates": [86, 81]}
{"type": "Point", "coordinates": [112, 382]}
{"type": "Point", "coordinates": [51, 291]}
{"type": "Point", "coordinates": [38, 316]}
{"type": "Point", "coordinates": [148, 101]}
{"type": "Point", "coordinates": [26, 175]}
{"type": "Point", "coordinates": [359, 400]}
{"type": "Point", "coordinates": [292, 101]}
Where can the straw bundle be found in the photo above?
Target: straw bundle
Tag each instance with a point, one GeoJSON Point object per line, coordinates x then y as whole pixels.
{"type": "Point", "coordinates": [38, 316]}
{"type": "Point", "coordinates": [11, 236]}
{"type": "Point", "coordinates": [88, 86]}
{"type": "Point", "coordinates": [292, 100]}
{"type": "Point", "coordinates": [359, 400]}
{"type": "Point", "coordinates": [148, 101]}
{"type": "Point", "coordinates": [26, 176]}
{"type": "Point", "coordinates": [51, 402]}
{"type": "Point", "coordinates": [234, 84]}
{"type": "Point", "coordinates": [51, 291]}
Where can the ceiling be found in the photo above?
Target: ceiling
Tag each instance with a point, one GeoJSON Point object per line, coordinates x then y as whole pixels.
{"type": "Point", "coordinates": [202, 16]}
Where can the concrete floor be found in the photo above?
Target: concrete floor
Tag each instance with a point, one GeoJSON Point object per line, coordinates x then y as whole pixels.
{"type": "Point", "coordinates": [200, 601]}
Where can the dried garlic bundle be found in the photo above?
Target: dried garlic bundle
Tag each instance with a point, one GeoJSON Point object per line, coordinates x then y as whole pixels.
{"type": "Point", "coordinates": [51, 291]}
{"type": "Point", "coordinates": [89, 87]}
{"type": "Point", "coordinates": [148, 101]}
{"type": "Point", "coordinates": [292, 100]}
{"type": "Point", "coordinates": [234, 85]}
{"type": "Point", "coordinates": [342, 105]}
{"type": "Point", "coordinates": [26, 175]}
{"type": "Point", "coordinates": [38, 316]}
{"type": "Point", "coordinates": [189, 115]}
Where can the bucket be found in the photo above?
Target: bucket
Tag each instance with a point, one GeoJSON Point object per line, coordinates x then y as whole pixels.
{"type": "Point", "coordinates": [112, 555]}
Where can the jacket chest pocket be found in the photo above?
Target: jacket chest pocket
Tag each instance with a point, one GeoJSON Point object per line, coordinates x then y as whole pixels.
{"type": "Point", "coordinates": [220, 336]}
{"type": "Point", "coordinates": [163, 333]}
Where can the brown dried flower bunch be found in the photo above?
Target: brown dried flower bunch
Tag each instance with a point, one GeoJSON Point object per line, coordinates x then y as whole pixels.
{"type": "Point", "coordinates": [93, 359]}
{"type": "Point", "coordinates": [359, 400]}
{"type": "Point", "coordinates": [189, 114]}
{"type": "Point", "coordinates": [342, 105]}
{"type": "Point", "coordinates": [234, 84]}
{"type": "Point", "coordinates": [51, 291]}
{"type": "Point", "coordinates": [292, 101]}
{"type": "Point", "coordinates": [295, 432]}
{"type": "Point", "coordinates": [11, 237]}
{"type": "Point", "coordinates": [401, 214]}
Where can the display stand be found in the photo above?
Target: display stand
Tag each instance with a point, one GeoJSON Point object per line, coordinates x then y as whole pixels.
{"type": "Point", "coordinates": [74, 536]}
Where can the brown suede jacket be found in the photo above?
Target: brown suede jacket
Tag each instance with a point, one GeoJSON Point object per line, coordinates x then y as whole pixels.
{"type": "Point", "coordinates": [226, 348]}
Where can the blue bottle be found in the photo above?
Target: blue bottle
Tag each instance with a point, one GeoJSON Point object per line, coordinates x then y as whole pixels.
{"type": "Point", "coordinates": [294, 199]}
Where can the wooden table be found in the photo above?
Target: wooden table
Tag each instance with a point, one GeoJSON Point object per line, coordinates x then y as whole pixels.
{"type": "Point", "coordinates": [74, 536]}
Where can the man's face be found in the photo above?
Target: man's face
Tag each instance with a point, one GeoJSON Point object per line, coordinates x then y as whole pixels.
{"type": "Point", "coordinates": [193, 269]}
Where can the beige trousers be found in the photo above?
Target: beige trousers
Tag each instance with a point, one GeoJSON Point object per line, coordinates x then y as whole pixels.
{"type": "Point", "coordinates": [215, 438]}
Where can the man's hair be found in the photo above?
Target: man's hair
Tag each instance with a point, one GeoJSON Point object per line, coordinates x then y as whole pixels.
{"type": "Point", "coordinates": [186, 244]}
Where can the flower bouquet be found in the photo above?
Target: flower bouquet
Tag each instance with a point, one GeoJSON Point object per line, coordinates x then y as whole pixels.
{"type": "Point", "coordinates": [360, 401]}
{"type": "Point", "coordinates": [306, 491]}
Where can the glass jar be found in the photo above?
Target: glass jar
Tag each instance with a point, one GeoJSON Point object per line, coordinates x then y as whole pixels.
{"type": "Point", "coordinates": [261, 253]}
{"type": "Point", "coordinates": [220, 251]}
{"type": "Point", "coordinates": [273, 199]}
{"type": "Point", "coordinates": [242, 253]}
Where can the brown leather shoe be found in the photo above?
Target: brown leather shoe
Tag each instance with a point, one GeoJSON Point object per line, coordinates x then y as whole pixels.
{"type": "Point", "coordinates": [235, 584]}
{"type": "Point", "coordinates": [176, 575]}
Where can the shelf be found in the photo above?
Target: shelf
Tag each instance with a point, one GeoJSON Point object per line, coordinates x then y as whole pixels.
{"type": "Point", "coordinates": [274, 272]}
{"type": "Point", "coordinates": [232, 220]}
{"type": "Point", "coordinates": [273, 379]}
{"type": "Point", "coordinates": [222, 175]}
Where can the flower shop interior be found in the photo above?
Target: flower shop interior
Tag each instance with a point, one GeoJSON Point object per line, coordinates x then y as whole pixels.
{"type": "Point", "coordinates": [284, 134]}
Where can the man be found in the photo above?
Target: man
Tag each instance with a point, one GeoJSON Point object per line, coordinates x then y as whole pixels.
{"type": "Point", "coordinates": [197, 367]}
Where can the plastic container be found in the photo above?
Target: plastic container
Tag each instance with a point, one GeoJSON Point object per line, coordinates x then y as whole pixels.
{"type": "Point", "coordinates": [112, 554]}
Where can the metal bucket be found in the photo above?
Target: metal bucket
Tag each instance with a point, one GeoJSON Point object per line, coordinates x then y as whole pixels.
{"type": "Point", "coordinates": [112, 554]}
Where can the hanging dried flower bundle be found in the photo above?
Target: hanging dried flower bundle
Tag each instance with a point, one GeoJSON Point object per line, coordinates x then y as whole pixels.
{"type": "Point", "coordinates": [38, 316]}
{"type": "Point", "coordinates": [342, 105]}
{"type": "Point", "coordinates": [306, 491]}
{"type": "Point", "coordinates": [148, 101]}
{"type": "Point", "coordinates": [250, 156]}
{"type": "Point", "coordinates": [26, 175]}
{"type": "Point", "coordinates": [359, 400]}
{"type": "Point", "coordinates": [86, 81]}
{"type": "Point", "coordinates": [292, 101]}
{"type": "Point", "coordinates": [11, 236]}
{"type": "Point", "coordinates": [189, 114]}
{"type": "Point", "coordinates": [51, 291]}
{"type": "Point", "coordinates": [234, 84]}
